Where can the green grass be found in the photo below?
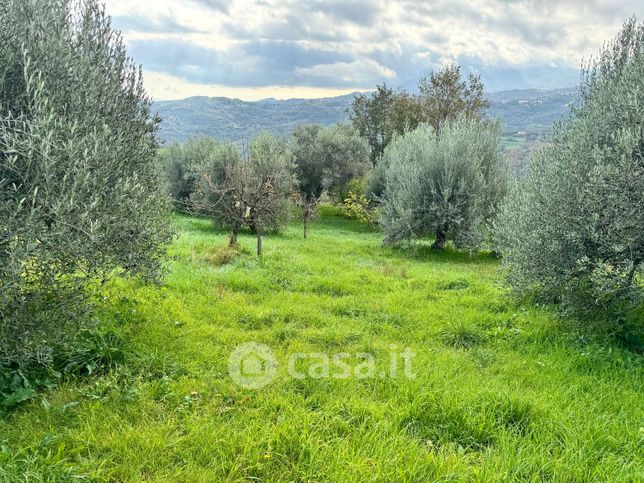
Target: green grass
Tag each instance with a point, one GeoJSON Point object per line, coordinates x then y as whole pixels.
{"type": "Point", "coordinates": [513, 141]}
{"type": "Point", "coordinates": [502, 391]}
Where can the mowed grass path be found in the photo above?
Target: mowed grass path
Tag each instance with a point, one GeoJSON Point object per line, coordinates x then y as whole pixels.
{"type": "Point", "coordinates": [502, 392]}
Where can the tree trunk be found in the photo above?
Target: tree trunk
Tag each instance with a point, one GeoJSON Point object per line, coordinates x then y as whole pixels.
{"type": "Point", "coordinates": [306, 224]}
{"type": "Point", "coordinates": [233, 235]}
{"type": "Point", "coordinates": [252, 225]}
{"type": "Point", "coordinates": [631, 274]}
{"type": "Point", "coordinates": [441, 238]}
{"type": "Point", "coordinates": [259, 244]}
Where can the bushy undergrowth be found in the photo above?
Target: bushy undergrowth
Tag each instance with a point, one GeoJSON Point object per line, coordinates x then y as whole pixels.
{"type": "Point", "coordinates": [357, 205]}
{"type": "Point", "coordinates": [92, 353]}
{"type": "Point", "coordinates": [105, 351]}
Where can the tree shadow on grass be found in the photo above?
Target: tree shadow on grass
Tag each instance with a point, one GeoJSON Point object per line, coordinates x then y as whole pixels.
{"type": "Point", "coordinates": [195, 223]}
{"type": "Point", "coordinates": [341, 224]}
{"type": "Point", "coordinates": [333, 218]}
{"type": "Point", "coordinates": [425, 253]}
{"type": "Point", "coordinates": [205, 225]}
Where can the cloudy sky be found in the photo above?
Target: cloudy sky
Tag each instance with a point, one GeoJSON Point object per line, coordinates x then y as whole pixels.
{"type": "Point", "coordinates": [253, 49]}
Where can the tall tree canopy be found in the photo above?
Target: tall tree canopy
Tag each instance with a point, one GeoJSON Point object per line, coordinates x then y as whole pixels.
{"type": "Point", "coordinates": [442, 97]}
{"type": "Point", "coordinates": [445, 96]}
{"type": "Point", "coordinates": [371, 115]}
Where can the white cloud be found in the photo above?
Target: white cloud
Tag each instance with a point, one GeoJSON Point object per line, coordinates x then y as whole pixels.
{"type": "Point", "coordinates": [325, 45]}
{"type": "Point", "coordinates": [358, 71]}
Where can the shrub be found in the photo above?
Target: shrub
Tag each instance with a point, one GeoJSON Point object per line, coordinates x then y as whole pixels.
{"type": "Point", "coordinates": [448, 185]}
{"type": "Point", "coordinates": [80, 191]}
{"type": "Point", "coordinates": [573, 231]}
{"type": "Point", "coordinates": [357, 205]}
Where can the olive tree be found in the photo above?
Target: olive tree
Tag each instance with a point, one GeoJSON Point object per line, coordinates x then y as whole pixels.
{"type": "Point", "coordinates": [310, 169]}
{"type": "Point", "coordinates": [448, 186]}
{"type": "Point", "coordinates": [326, 159]}
{"type": "Point", "coordinates": [182, 162]}
{"type": "Point", "coordinates": [81, 196]}
{"type": "Point", "coordinates": [573, 230]}
{"type": "Point", "coordinates": [444, 96]}
{"type": "Point", "coordinates": [346, 155]}
{"type": "Point", "coordinates": [251, 191]}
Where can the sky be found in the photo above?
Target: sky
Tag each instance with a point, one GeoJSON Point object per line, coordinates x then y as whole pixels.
{"type": "Point", "coordinates": [254, 49]}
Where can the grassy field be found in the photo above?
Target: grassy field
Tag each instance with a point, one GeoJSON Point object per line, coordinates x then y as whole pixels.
{"type": "Point", "coordinates": [501, 391]}
{"type": "Point", "coordinates": [513, 141]}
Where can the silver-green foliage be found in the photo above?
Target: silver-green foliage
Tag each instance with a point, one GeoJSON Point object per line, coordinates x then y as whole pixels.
{"type": "Point", "coordinates": [447, 185]}
{"type": "Point", "coordinates": [80, 190]}
{"type": "Point", "coordinates": [328, 159]}
{"type": "Point", "coordinates": [182, 163]}
{"type": "Point", "coordinates": [252, 191]}
{"type": "Point", "coordinates": [346, 156]}
{"type": "Point", "coordinates": [573, 231]}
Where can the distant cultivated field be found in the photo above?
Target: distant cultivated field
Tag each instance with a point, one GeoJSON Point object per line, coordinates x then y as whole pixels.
{"type": "Point", "coordinates": [511, 141]}
{"type": "Point", "coordinates": [500, 391]}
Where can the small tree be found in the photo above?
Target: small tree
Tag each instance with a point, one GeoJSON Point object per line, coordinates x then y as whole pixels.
{"type": "Point", "coordinates": [346, 156]}
{"type": "Point", "coordinates": [310, 169]}
{"type": "Point", "coordinates": [209, 197]}
{"type": "Point", "coordinates": [252, 191]}
{"type": "Point", "coordinates": [326, 159]}
{"type": "Point", "coordinates": [271, 169]}
{"type": "Point", "coordinates": [182, 162]}
{"type": "Point", "coordinates": [573, 231]}
{"type": "Point", "coordinates": [448, 185]}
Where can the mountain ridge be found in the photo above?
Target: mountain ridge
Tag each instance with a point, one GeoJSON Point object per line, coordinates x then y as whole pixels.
{"type": "Point", "coordinates": [529, 111]}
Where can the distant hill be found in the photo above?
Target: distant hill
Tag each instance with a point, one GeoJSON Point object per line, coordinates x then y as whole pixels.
{"type": "Point", "coordinates": [236, 120]}
{"type": "Point", "coordinates": [529, 112]}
